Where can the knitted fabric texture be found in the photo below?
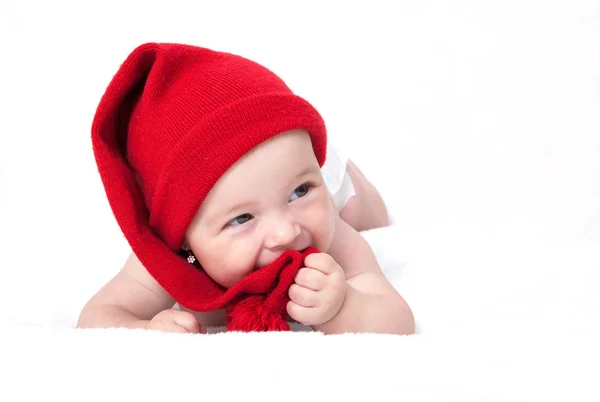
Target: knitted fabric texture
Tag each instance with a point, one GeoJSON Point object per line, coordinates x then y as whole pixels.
{"type": "Point", "coordinates": [258, 302]}
{"type": "Point", "coordinates": [172, 120]}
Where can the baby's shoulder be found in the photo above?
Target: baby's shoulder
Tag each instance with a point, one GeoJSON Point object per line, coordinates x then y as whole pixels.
{"type": "Point", "coordinates": [349, 249]}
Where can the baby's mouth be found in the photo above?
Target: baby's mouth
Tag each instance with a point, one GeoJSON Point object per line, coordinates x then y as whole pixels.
{"type": "Point", "coordinates": [259, 267]}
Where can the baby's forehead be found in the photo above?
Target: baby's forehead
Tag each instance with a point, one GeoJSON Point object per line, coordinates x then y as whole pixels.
{"type": "Point", "coordinates": [261, 177]}
{"type": "Point", "coordinates": [266, 174]}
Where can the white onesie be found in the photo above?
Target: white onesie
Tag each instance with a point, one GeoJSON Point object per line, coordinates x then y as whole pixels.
{"type": "Point", "coordinates": [336, 178]}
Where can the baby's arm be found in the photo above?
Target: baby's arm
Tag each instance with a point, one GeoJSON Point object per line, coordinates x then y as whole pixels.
{"type": "Point", "coordinates": [371, 303]}
{"type": "Point", "coordinates": [133, 299]}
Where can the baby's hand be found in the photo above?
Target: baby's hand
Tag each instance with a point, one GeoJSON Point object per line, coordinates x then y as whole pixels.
{"type": "Point", "coordinates": [175, 321]}
{"type": "Point", "coordinates": [318, 292]}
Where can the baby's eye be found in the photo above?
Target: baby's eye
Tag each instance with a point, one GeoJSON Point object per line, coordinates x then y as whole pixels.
{"type": "Point", "coordinates": [239, 220]}
{"type": "Point", "coordinates": [300, 191]}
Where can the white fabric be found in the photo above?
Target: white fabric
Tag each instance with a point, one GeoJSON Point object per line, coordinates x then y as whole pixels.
{"type": "Point", "coordinates": [336, 177]}
{"type": "Point", "coordinates": [478, 122]}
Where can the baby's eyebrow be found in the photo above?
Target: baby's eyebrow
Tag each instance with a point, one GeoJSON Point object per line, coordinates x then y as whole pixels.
{"type": "Point", "coordinates": [307, 170]}
{"type": "Point", "coordinates": [222, 213]}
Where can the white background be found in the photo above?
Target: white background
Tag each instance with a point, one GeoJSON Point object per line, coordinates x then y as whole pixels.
{"type": "Point", "coordinates": [479, 121]}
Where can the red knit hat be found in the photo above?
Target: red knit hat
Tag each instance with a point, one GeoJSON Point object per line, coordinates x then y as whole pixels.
{"type": "Point", "coordinates": [173, 119]}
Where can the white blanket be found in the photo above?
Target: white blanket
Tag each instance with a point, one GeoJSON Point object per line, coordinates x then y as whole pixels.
{"type": "Point", "coordinates": [478, 122]}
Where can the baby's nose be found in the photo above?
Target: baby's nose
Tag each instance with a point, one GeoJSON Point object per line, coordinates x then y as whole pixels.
{"type": "Point", "coordinates": [283, 232]}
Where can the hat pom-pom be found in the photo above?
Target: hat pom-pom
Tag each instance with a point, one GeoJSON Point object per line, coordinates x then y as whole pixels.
{"type": "Point", "coordinates": [253, 314]}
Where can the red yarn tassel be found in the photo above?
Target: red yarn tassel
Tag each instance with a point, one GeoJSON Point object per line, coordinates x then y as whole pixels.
{"type": "Point", "coordinates": [254, 314]}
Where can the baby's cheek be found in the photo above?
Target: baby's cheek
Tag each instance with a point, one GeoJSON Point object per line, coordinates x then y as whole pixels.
{"type": "Point", "coordinates": [324, 225]}
{"type": "Point", "coordinates": [240, 257]}
{"type": "Point", "coordinates": [237, 260]}
{"type": "Point", "coordinates": [229, 269]}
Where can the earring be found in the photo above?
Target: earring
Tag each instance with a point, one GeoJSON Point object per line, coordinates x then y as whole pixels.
{"type": "Point", "coordinates": [191, 257]}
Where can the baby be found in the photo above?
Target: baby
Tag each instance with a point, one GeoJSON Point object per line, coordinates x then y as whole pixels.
{"type": "Point", "coordinates": [213, 169]}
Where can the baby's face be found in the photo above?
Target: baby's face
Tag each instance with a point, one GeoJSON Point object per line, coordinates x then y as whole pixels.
{"type": "Point", "coordinates": [271, 200]}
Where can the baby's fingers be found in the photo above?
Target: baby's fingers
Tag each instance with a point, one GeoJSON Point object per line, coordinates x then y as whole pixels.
{"type": "Point", "coordinates": [311, 278]}
{"type": "Point", "coordinates": [303, 296]}
{"type": "Point", "coordinates": [188, 322]}
{"type": "Point", "coordinates": [175, 321]}
{"type": "Point", "coordinates": [303, 315]}
{"type": "Point", "coordinates": [322, 262]}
